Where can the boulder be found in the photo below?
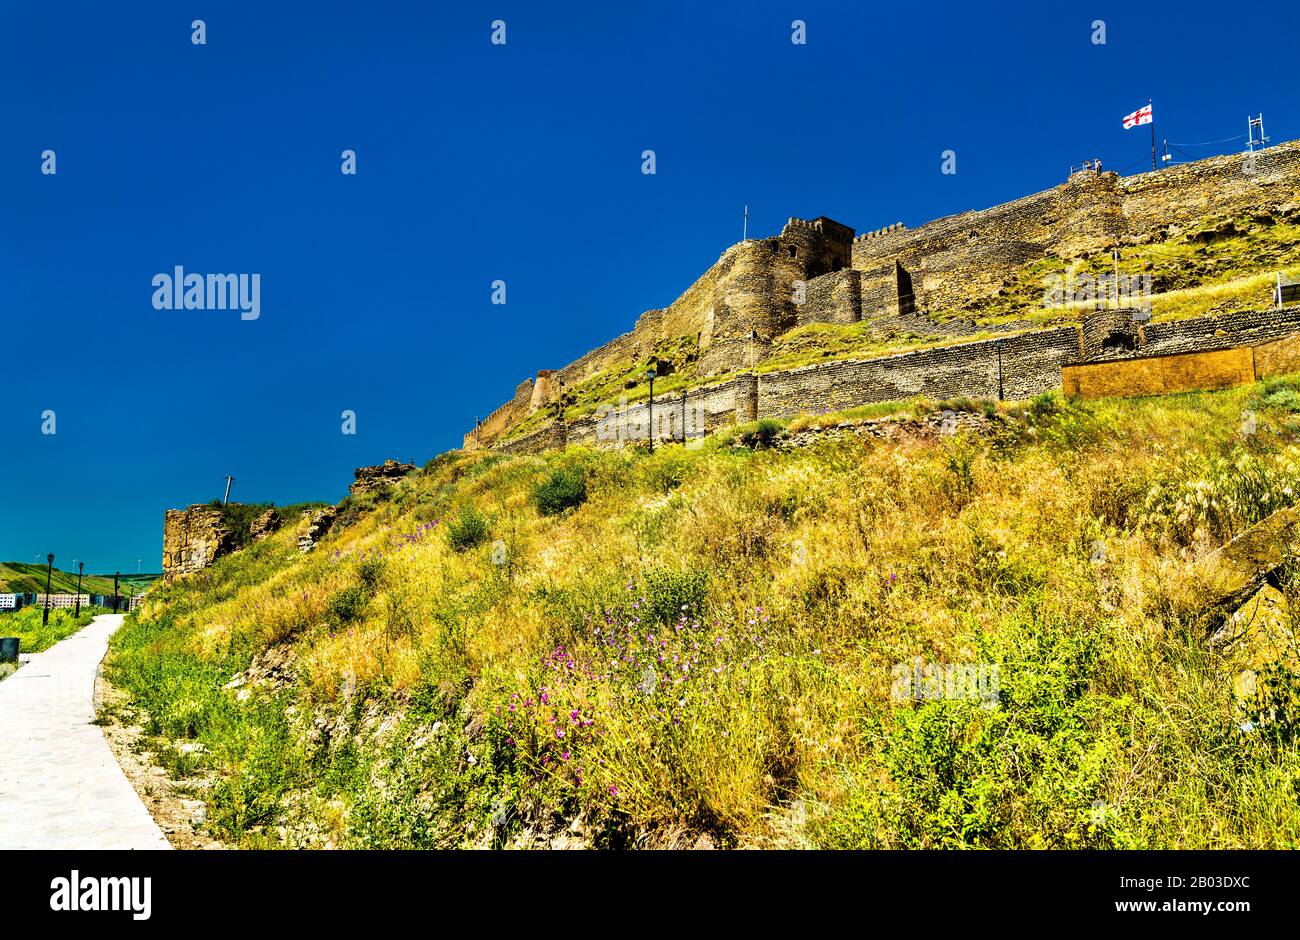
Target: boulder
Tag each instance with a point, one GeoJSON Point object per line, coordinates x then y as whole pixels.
{"type": "Point", "coordinates": [1233, 573]}
{"type": "Point", "coordinates": [264, 525]}
{"type": "Point", "coordinates": [381, 477]}
{"type": "Point", "coordinates": [318, 523]}
{"type": "Point", "coordinates": [1258, 633]}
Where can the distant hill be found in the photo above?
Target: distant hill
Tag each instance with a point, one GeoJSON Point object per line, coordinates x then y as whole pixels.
{"type": "Point", "coordinates": [18, 577]}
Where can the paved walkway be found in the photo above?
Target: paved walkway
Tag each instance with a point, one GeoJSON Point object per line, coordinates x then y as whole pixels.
{"type": "Point", "coordinates": [60, 787]}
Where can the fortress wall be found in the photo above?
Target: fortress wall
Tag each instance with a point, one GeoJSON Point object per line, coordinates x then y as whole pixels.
{"type": "Point", "coordinates": [832, 298]}
{"type": "Point", "coordinates": [959, 257]}
{"type": "Point", "coordinates": [503, 418]}
{"type": "Point", "coordinates": [549, 437]}
{"type": "Point", "coordinates": [1032, 361]}
{"type": "Point", "coordinates": [1232, 184]}
{"type": "Point", "coordinates": [1030, 364]}
{"type": "Point", "coordinates": [1090, 214]}
{"type": "Point", "coordinates": [879, 291]}
{"type": "Point", "coordinates": [953, 259]}
{"type": "Point", "coordinates": [588, 364]}
{"type": "Point", "coordinates": [1018, 366]}
{"type": "Point", "coordinates": [715, 405]}
{"type": "Point", "coordinates": [754, 298]}
{"type": "Point", "coordinates": [744, 301]}
{"type": "Point", "coordinates": [1237, 329]}
{"type": "Point", "coordinates": [834, 386]}
{"type": "Point", "coordinates": [1104, 325]}
{"type": "Point", "coordinates": [947, 279]}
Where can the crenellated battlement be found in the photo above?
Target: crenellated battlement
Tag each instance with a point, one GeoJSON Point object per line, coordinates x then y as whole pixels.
{"type": "Point", "coordinates": [881, 232]}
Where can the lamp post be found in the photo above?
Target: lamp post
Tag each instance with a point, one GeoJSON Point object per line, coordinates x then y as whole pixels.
{"type": "Point", "coordinates": [49, 570]}
{"type": "Point", "coordinates": [81, 567]}
{"type": "Point", "coordinates": [650, 374]}
{"type": "Point", "coordinates": [116, 575]}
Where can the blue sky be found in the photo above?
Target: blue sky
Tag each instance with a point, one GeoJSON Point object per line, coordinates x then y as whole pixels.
{"type": "Point", "coordinates": [477, 162]}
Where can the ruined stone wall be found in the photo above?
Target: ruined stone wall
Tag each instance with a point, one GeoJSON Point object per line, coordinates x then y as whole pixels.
{"type": "Point", "coordinates": [1218, 331]}
{"type": "Point", "coordinates": [1237, 183]}
{"type": "Point", "coordinates": [745, 300]}
{"type": "Point", "coordinates": [832, 298]}
{"type": "Point", "coordinates": [548, 437]}
{"type": "Point", "coordinates": [502, 419]}
{"type": "Point", "coordinates": [1017, 366]}
{"type": "Point", "coordinates": [193, 538]}
{"type": "Point", "coordinates": [961, 257]}
{"type": "Point", "coordinates": [954, 259]}
{"type": "Point", "coordinates": [1110, 333]}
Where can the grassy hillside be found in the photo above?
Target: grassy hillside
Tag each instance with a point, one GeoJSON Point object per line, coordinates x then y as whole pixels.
{"type": "Point", "coordinates": [17, 577]}
{"type": "Point", "coordinates": [704, 647]}
{"type": "Point", "coordinates": [133, 583]}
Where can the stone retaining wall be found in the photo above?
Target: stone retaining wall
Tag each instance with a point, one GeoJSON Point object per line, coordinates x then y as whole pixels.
{"type": "Point", "coordinates": [1014, 366]}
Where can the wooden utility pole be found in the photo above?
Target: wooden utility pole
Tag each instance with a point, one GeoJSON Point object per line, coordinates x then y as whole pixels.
{"type": "Point", "coordinates": [226, 499]}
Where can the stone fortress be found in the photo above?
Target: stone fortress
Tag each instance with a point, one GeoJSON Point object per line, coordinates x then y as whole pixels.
{"type": "Point", "coordinates": [895, 280]}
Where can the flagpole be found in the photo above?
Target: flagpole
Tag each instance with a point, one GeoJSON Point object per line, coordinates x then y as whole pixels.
{"type": "Point", "coordinates": [1153, 134]}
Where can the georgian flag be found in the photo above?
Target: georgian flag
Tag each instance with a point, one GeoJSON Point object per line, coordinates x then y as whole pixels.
{"type": "Point", "coordinates": [1140, 116]}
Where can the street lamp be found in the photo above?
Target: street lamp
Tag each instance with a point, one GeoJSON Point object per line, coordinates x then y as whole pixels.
{"type": "Point", "coordinates": [116, 575]}
{"type": "Point", "coordinates": [650, 374]}
{"type": "Point", "coordinates": [49, 570]}
{"type": "Point", "coordinates": [81, 566]}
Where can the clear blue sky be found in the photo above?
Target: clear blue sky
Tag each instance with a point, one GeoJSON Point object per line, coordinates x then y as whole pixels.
{"type": "Point", "coordinates": [478, 162]}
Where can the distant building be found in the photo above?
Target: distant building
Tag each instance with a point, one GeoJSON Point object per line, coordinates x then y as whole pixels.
{"type": "Point", "coordinates": [64, 600]}
{"type": "Point", "coordinates": [10, 601]}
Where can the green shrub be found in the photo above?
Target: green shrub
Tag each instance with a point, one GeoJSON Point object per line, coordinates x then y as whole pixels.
{"type": "Point", "coordinates": [761, 433]}
{"type": "Point", "coordinates": [1044, 405]}
{"type": "Point", "coordinates": [1282, 399]}
{"type": "Point", "coordinates": [346, 606]}
{"type": "Point", "coordinates": [565, 488]}
{"type": "Point", "coordinates": [468, 529]}
{"type": "Point", "coordinates": [371, 574]}
{"type": "Point", "coordinates": [671, 595]}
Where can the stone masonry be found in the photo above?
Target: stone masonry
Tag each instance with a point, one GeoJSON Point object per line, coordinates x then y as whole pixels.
{"type": "Point", "coordinates": [193, 538]}
{"type": "Point", "coordinates": [820, 271]}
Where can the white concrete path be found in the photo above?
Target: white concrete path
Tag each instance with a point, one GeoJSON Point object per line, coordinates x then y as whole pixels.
{"type": "Point", "coordinates": [60, 786]}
